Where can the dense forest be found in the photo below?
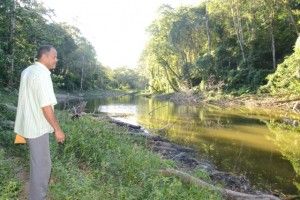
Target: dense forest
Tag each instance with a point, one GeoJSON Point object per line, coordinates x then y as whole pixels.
{"type": "Point", "coordinates": [219, 45]}
{"type": "Point", "coordinates": [26, 24]}
{"type": "Point", "coordinates": [223, 45]}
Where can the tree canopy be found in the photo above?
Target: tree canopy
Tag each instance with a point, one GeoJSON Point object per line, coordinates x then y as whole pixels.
{"type": "Point", "coordinates": [25, 25]}
{"type": "Point", "coordinates": [227, 45]}
{"type": "Point", "coordinates": [231, 43]}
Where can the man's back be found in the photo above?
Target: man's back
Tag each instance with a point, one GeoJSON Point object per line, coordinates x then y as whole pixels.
{"type": "Point", "coordinates": [36, 91]}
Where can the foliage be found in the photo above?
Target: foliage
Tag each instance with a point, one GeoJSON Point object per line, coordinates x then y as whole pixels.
{"type": "Point", "coordinates": [238, 42]}
{"type": "Point", "coordinates": [286, 78]}
{"type": "Point", "coordinates": [101, 161]}
{"type": "Point", "coordinates": [25, 25]}
{"type": "Point", "coordinates": [128, 79]}
{"type": "Point", "coordinates": [9, 185]}
{"type": "Point", "coordinates": [6, 114]}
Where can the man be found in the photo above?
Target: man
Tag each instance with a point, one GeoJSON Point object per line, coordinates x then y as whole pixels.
{"type": "Point", "coordinates": [35, 118]}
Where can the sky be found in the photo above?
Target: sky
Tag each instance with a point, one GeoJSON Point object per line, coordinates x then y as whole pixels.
{"type": "Point", "coordinates": [116, 28]}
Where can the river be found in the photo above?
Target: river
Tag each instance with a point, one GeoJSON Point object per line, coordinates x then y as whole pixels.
{"type": "Point", "coordinates": [261, 147]}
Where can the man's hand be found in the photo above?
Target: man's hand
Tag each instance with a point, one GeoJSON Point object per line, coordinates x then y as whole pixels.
{"type": "Point", "coordinates": [60, 136]}
{"type": "Point", "coordinates": [50, 117]}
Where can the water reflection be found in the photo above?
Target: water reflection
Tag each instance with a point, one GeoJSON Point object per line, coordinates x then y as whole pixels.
{"type": "Point", "coordinates": [238, 142]}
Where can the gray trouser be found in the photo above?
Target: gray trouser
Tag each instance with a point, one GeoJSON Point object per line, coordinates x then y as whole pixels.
{"type": "Point", "coordinates": [40, 167]}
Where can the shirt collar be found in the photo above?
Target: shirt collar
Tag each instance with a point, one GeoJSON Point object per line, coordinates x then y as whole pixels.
{"type": "Point", "coordinates": [43, 67]}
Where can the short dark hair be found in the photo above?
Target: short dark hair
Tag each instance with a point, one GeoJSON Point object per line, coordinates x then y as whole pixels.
{"type": "Point", "coordinates": [43, 50]}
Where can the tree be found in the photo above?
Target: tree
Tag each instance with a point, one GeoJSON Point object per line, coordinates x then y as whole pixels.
{"type": "Point", "coordinates": [236, 42]}
{"type": "Point", "coordinates": [25, 25]}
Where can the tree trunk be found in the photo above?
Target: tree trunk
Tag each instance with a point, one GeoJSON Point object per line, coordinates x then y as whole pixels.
{"type": "Point", "coordinates": [81, 79]}
{"type": "Point", "coordinates": [12, 43]}
{"type": "Point", "coordinates": [288, 8]}
{"type": "Point", "coordinates": [207, 30]}
{"type": "Point", "coordinates": [238, 27]}
{"type": "Point", "coordinates": [273, 47]}
{"type": "Point", "coordinates": [271, 28]}
{"type": "Point", "coordinates": [184, 177]}
{"type": "Point", "coordinates": [165, 65]}
{"type": "Point", "coordinates": [169, 80]}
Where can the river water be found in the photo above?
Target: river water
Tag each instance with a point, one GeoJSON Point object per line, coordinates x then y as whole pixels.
{"type": "Point", "coordinates": [261, 147]}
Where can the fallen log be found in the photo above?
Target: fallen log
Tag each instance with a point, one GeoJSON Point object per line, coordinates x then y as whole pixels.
{"type": "Point", "coordinates": [124, 124]}
{"type": "Point", "coordinates": [170, 145]}
{"type": "Point", "coordinates": [296, 107]}
{"type": "Point", "coordinates": [287, 100]}
{"type": "Point", "coordinates": [10, 107]}
{"type": "Point", "coordinates": [292, 197]}
{"type": "Point", "coordinates": [7, 124]}
{"type": "Point", "coordinates": [186, 178]}
{"type": "Point", "coordinates": [143, 134]}
{"type": "Point", "coordinates": [9, 111]}
{"type": "Point", "coordinates": [78, 110]}
{"type": "Point", "coordinates": [164, 149]}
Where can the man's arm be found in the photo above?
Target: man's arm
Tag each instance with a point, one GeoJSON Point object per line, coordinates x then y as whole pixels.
{"type": "Point", "coordinates": [50, 117]}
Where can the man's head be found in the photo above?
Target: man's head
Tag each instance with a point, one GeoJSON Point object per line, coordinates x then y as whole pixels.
{"type": "Point", "coordinates": [47, 55]}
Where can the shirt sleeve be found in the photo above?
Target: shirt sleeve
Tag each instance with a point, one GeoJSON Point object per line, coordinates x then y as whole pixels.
{"type": "Point", "coordinates": [44, 91]}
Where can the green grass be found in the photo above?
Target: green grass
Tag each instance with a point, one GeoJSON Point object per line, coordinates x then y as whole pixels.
{"type": "Point", "coordinates": [9, 185]}
{"type": "Point", "coordinates": [101, 161]}
{"type": "Point", "coordinates": [98, 160]}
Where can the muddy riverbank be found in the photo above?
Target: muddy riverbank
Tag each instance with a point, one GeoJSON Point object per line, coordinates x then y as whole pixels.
{"type": "Point", "coordinates": [189, 160]}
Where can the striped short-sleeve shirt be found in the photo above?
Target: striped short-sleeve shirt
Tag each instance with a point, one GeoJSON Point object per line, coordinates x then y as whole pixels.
{"type": "Point", "coordinates": [35, 92]}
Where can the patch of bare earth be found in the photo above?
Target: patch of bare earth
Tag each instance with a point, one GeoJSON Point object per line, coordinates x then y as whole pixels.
{"type": "Point", "coordinates": [23, 176]}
